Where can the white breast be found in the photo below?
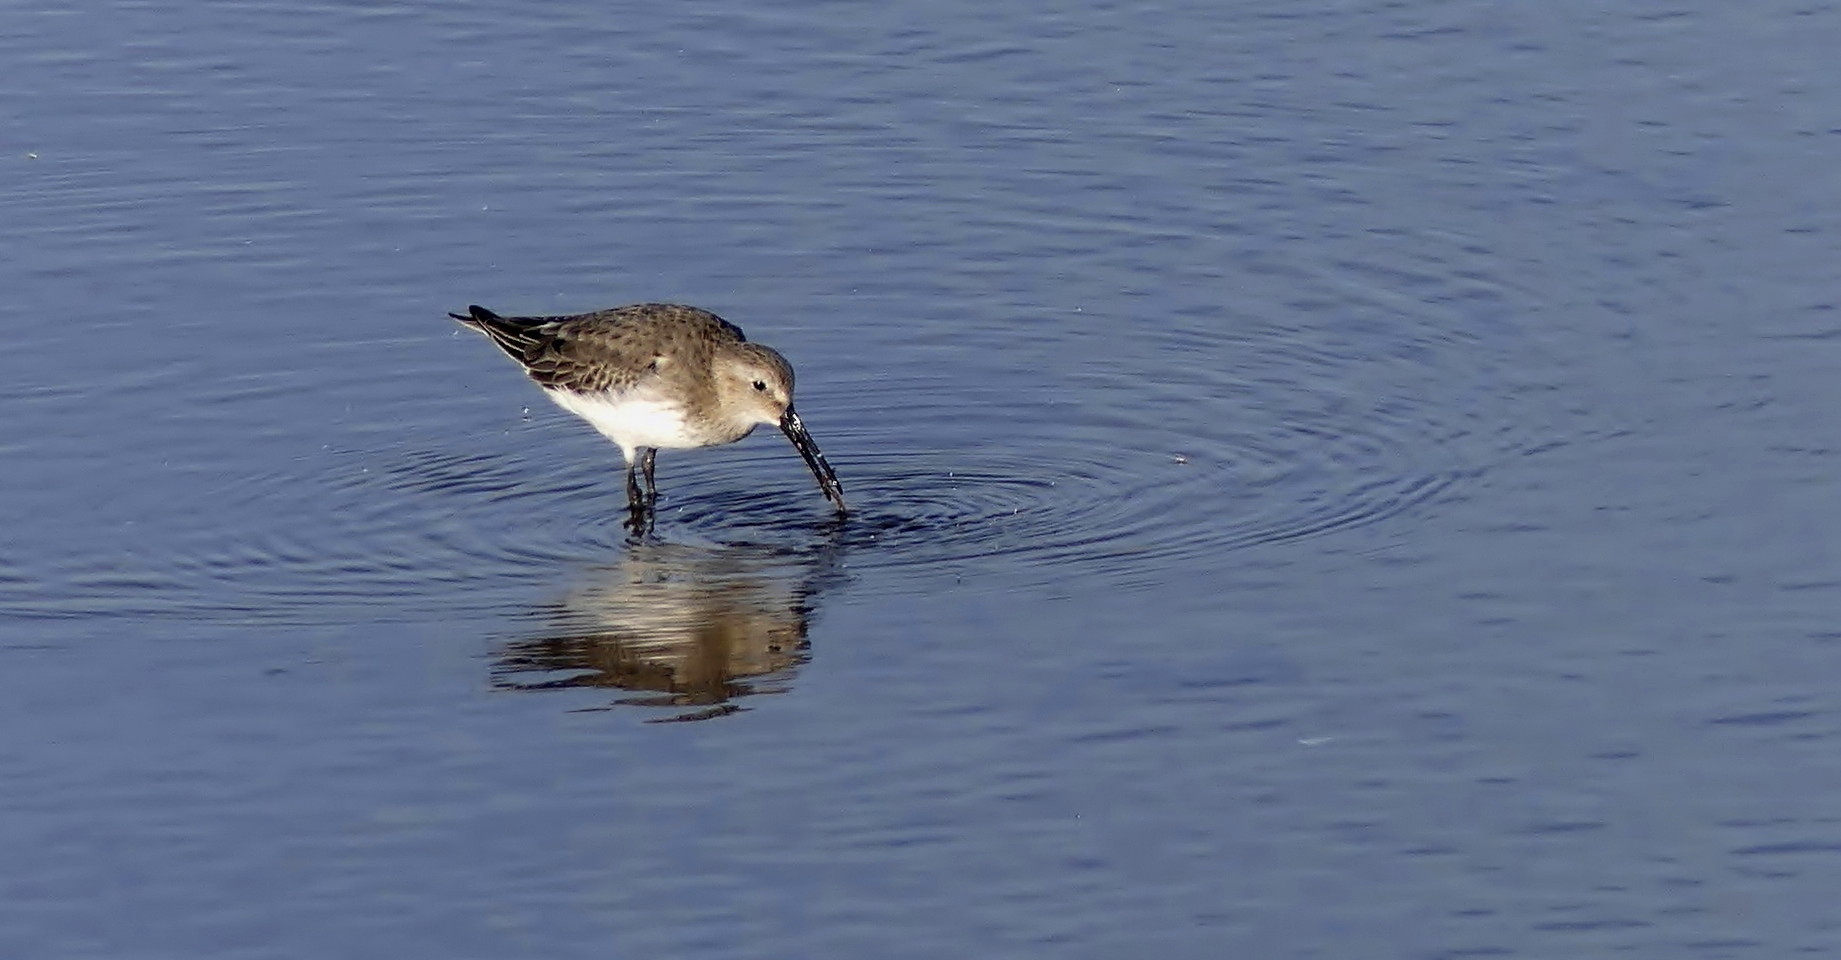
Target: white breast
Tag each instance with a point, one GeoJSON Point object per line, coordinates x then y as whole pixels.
{"type": "Point", "coordinates": [631, 420]}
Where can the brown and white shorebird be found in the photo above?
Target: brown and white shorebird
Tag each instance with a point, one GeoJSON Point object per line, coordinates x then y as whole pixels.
{"type": "Point", "coordinates": [657, 376]}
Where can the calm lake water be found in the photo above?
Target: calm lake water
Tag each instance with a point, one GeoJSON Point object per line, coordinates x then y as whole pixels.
{"type": "Point", "coordinates": [1333, 479]}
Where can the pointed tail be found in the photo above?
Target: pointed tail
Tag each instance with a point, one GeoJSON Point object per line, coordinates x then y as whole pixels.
{"type": "Point", "coordinates": [514, 335]}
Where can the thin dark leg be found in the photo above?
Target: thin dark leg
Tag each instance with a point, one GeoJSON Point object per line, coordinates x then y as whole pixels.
{"type": "Point", "coordinates": [635, 497]}
{"type": "Point", "coordinates": [639, 498]}
{"type": "Point", "coordinates": [638, 522]}
{"type": "Point", "coordinates": [638, 508]}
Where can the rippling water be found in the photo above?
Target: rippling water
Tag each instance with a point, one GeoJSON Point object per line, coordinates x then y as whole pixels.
{"type": "Point", "coordinates": [1105, 448]}
{"type": "Point", "coordinates": [1326, 481]}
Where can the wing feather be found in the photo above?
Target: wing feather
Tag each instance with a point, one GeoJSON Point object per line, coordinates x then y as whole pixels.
{"type": "Point", "coordinates": [609, 351]}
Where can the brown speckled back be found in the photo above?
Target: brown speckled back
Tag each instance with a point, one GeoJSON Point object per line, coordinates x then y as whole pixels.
{"type": "Point", "coordinates": [608, 350]}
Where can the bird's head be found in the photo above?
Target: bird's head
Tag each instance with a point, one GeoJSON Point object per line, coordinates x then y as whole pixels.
{"type": "Point", "coordinates": [755, 385]}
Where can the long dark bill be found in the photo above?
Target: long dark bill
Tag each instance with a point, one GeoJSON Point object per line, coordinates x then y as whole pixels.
{"type": "Point", "coordinates": [814, 458]}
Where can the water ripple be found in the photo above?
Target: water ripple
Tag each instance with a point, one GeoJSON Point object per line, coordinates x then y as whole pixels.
{"type": "Point", "coordinates": [1057, 446]}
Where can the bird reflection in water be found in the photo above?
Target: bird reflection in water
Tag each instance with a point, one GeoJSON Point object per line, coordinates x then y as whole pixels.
{"type": "Point", "coordinates": [682, 626]}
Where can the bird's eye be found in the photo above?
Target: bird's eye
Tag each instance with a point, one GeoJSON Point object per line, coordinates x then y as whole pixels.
{"type": "Point", "coordinates": [761, 386]}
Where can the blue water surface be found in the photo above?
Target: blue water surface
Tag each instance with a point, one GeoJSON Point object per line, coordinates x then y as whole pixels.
{"type": "Point", "coordinates": [1331, 480]}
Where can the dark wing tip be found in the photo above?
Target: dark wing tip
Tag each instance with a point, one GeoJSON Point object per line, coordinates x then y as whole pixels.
{"type": "Point", "coordinates": [476, 314]}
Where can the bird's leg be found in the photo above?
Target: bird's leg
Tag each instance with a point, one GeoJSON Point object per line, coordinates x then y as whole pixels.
{"type": "Point", "coordinates": [635, 497]}
{"type": "Point", "coordinates": [638, 508]}
{"type": "Point", "coordinates": [638, 522]}
{"type": "Point", "coordinates": [646, 461]}
{"type": "Point", "coordinates": [639, 498]}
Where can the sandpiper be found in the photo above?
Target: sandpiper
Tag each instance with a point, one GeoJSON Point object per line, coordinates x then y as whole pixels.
{"type": "Point", "coordinates": [654, 376]}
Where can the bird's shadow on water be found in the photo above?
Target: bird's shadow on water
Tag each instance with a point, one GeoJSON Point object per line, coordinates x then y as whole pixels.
{"type": "Point", "coordinates": [689, 627]}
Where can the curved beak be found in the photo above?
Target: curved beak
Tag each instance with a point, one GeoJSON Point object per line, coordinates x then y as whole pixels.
{"type": "Point", "coordinates": [795, 431]}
